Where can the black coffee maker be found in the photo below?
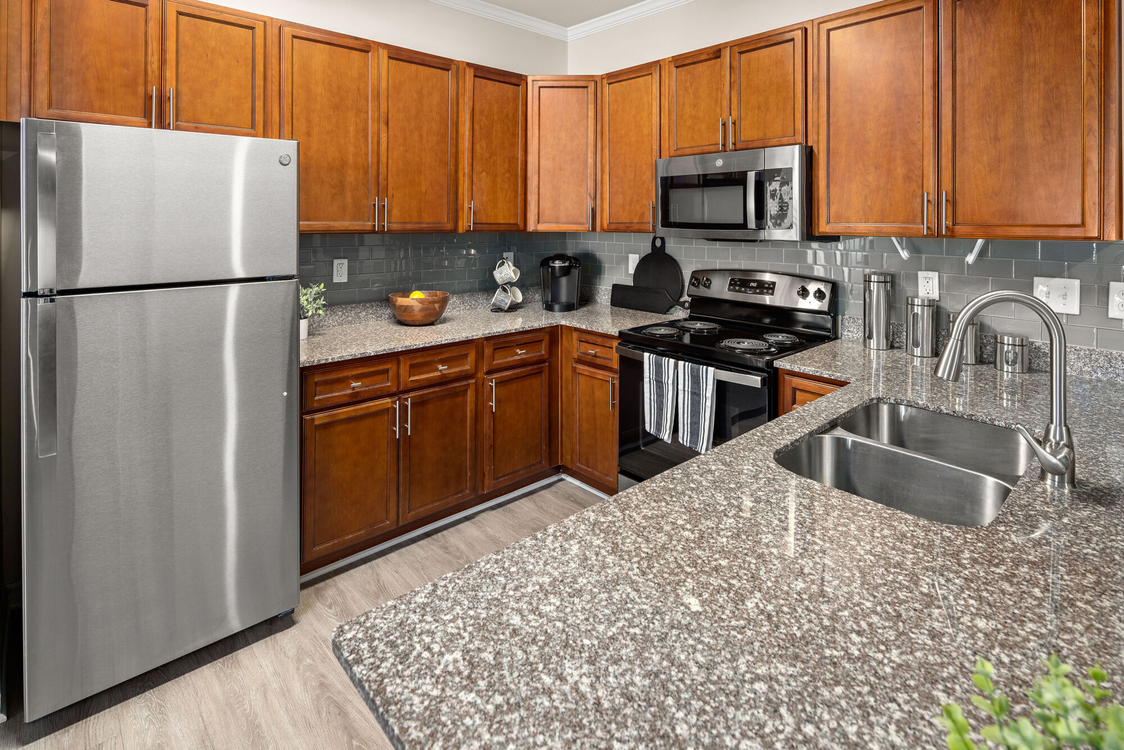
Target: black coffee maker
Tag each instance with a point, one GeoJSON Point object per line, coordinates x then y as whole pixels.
{"type": "Point", "coordinates": [561, 282]}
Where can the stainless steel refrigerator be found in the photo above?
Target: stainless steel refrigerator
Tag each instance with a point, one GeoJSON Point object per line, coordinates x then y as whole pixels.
{"type": "Point", "coordinates": [158, 363]}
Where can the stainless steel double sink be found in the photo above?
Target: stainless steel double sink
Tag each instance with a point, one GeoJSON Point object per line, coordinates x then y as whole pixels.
{"type": "Point", "coordinates": [936, 466]}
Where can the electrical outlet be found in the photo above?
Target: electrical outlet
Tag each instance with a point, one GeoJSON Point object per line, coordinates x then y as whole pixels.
{"type": "Point", "coordinates": [339, 270]}
{"type": "Point", "coordinates": [633, 259]}
{"type": "Point", "coordinates": [509, 257]}
{"type": "Point", "coordinates": [928, 285]}
{"type": "Point", "coordinates": [1062, 295]}
{"type": "Point", "coordinates": [1116, 300]}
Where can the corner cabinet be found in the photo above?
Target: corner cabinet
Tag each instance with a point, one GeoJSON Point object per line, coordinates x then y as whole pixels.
{"type": "Point", "coordinates": [630, 145]}
{"type": "Point", "coordinates": [562, 154]}
{"type": "Point", "coordinates": [797, 389]}
{"type": "Point", "coordinates": [876, 120]}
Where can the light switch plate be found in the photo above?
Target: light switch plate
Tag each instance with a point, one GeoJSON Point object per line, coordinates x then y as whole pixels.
{"type": "Point", "coordinates": [1062, 295]}
{"type": "Point", "coordinates": [633, 259]}
{"type": "Point", "coordinates": [928, 285]}
{"type": "Point", "coordinates": [339, 270]}
{"type": "Point", "coordinates": [1116, 300]}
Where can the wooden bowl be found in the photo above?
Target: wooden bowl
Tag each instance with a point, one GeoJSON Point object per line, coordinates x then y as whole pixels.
{"type": "Point", "coordinates": [420, 311]}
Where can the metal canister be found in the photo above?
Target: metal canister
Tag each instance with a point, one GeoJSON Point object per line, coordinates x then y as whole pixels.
{"type": "Point", "coordinates": [921, 327]}
{"type": "Point", "coordinates": [971, 340]}
{"type": "Point", "coordinates": [876, 310]}
{"type": "Point", "coordinates": [1012, 354]}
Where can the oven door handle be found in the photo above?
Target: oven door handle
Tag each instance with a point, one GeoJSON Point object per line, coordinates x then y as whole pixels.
{"type": "Point", "coordinates": [725, 376]}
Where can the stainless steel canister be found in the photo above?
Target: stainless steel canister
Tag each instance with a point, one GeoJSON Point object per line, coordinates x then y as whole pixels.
{"type": "Point", "coordinates": [876, 310]}
{"type": "Point", "coordinates": [971, 340]}
{"type": "Point", "coordinates": [921, 327]}
{"type": "Point", "coordinates": [1012, 354]}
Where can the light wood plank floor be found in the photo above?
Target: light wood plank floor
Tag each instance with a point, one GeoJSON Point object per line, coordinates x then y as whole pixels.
{"type": "Point", "coordinates": [278, 685]}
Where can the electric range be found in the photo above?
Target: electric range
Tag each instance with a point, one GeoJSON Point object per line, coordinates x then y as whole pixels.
{"type": "Point", "coordinates": [741, 322]}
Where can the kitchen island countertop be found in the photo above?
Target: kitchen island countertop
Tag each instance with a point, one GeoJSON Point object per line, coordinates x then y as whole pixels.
{"type": "Point", "coordinates": [728, 602]}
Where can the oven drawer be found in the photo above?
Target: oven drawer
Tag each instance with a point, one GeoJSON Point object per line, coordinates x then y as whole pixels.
{"type": "Point", "coordinates": [438, 365]}
{"type": "Point", "coordinates": [349, 384]}
{"type": "Point", "coordinates": [502, 352]}
{"type": "Point", "coordinates": [595, 349]}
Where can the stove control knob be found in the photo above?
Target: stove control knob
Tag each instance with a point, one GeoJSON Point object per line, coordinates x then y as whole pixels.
{"type": "Point", "coordinates": [819, 295]}
{"type": "Point", "coordinates": [694, 281]}
{"type": "Point", "coordinates": [706, 282]}
{"type": "Point", "coordinates": [802, 292]}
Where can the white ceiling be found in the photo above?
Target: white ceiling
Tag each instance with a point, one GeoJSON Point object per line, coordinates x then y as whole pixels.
{"type": "Point", "coordinates": [566, 20]}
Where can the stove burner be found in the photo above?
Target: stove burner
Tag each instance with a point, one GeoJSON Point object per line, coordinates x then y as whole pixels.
{"type": "Point", "coordinates": [661, 331]}
{"type": "Point", "coordinates": [781, 338]}
{"type": "Point", "coordinates": [744, 345]}
{"type": "Point", "coordinates": [698, 326]}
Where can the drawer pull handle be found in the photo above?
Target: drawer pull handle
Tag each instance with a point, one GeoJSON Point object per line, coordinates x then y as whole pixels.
{"type": "Point", "coordinates": [520, 351]}
{"type": "Point", "coordinates": [441, 368]}
{"type": "Point", "coordinates": [356, 385]}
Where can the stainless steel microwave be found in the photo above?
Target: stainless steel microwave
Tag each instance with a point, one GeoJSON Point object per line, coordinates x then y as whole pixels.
{"type": "Point", "coordinates": [759, 194]}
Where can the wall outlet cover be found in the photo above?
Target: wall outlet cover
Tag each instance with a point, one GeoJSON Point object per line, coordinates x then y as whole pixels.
{"type": "Point", "coordinates": [928, 285]}
{"type": "Point", "coordinates": [1116, 300]}
{"type": "Point", "coordinates": [633, 259]}
{"type": "Point", "coordinates": [1062, 295]}
{"type": "Point", "coordinates": [339, 270]}
{"type": "Point", "coordinates": [509, 257]}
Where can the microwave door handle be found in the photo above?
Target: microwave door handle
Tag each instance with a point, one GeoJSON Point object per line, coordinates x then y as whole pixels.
{"type": "Point", "coordinates": [753, 186]}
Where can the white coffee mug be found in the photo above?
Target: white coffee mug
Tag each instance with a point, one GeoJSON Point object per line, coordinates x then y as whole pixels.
{"type": "Point", "coordinates": [506, 296]}
{"type": "Point", "coordinates": [505, 272]}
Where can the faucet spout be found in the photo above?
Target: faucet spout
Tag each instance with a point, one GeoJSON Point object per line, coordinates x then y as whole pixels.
{"type": "Point", "coordinates": [1057, 443]}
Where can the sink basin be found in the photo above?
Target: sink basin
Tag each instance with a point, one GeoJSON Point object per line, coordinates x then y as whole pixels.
{"type": "Point", "coordinates": [935, 466]}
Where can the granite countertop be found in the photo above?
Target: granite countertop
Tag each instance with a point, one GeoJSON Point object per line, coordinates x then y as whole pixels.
{"type": "Point", "coordinates": [369, 329]}
{"type": "Point", "coordinates": [728, 602]}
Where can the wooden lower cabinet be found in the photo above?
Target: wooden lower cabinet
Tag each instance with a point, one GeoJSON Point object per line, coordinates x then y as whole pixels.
{"type": "Point", "coordinates": [438, 449]}
{"type": "Point", "coordinates": [516, 425]}
{"type": "Point", "coordinates": [349, 477]}
{"type": "Point", "coordinates": [593, 426]}
{"type": "Point", "coordinates": [799, 389]}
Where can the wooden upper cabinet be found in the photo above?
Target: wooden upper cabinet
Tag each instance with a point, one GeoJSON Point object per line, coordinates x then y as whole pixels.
{"type": "Point", "coordinates": [419, 142]}
{"type": "Point", "coordinates": [97, 61]}
{"type": "Point", "coordinates": [495, 148]}
{"type": "Point", "coordinates": [215, 70]}
{"type": "Point", "coordinates": [562, 164]}
{"type": "Point", "coordinates": [696, 103]}
{"type": "Point", "coordinates": [329, 102]}
{"type": "Point", "coordinates": [1021, 118]}
{"type": "Point", "coordinates": [630, 145]}
{"type": "Point", "coordinates": [767, 75]}
{"type": "Point", "coordinates": [876, 118]}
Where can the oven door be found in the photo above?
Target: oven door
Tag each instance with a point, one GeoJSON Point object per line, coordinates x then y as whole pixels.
{"type": "Point", "coordinates": [741, 404]}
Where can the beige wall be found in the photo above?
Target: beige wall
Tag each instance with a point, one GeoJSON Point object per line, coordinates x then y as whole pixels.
{"type": "Point", "coordinates": [688, 27]}
{"type": "Point", "coordinates": [426, 27]}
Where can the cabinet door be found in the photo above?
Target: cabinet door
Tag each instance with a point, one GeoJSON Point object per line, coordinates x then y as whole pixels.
{"type": "Point", "coordinates": [215, 70]}
{"type": "Point", "coordinates": [767, 89]}
{"type": "Point", "coordinates": [329, 102]}
{"type": "Point", "coordinates": [516, 425]}
{"type": "Point", "coordinates": [1021, 118]}
{"type": "Point", "coordinates": [696, 103]}
{"type": "Point", "coordinates": [495, 138]}
{"type": "Point", "coordinates": [594, 426]}
{"type": "Point", "coordinates": [630, 145]}
{"type": "Point", "coordinates": [875, 137]}
{"type": "Point", "coordinates": [439, 450]}
{"type": "Point", "coordinates": [97, 61]}
{"type": "Point", "coordinates": [419, 143]}
{"type": "Point", "coordinates": [797, 390]}
{"type": "Point", "coordinates": [562, 166]}
{"type": "Point", "coordinates": [349, 477]}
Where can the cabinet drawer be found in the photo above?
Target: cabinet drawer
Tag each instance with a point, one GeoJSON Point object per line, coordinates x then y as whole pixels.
{"type": "Point", "coordinates": [502, 352]}
{"type": "Point", "coordinates": [595, 349]}
{"type": "Point", "coordinates": [438, 365]}
{"type": "Point", "coordinates": [349, 384]}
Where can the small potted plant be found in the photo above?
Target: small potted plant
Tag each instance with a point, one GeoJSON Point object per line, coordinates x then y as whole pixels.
{"type": "Point", "coordinates": [312, 303]}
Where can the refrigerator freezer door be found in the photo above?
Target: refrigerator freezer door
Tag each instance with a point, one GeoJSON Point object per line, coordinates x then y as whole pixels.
{"type": "Point", "coordinates": [160, 501]}
{"type": "Point", "coordinates": [107, 207]}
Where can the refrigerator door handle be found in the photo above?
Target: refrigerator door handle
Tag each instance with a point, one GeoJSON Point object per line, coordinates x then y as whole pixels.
{"type": "Point", "coordinates": [45, 413]}
{"type": "Point", "coordinates": [46, 214]}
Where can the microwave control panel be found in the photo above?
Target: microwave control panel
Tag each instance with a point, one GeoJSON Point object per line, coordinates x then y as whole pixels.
{"type": "Point", "coordinates": [758, 287]}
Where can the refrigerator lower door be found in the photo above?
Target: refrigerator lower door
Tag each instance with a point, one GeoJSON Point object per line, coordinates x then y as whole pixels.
{"type": "Point", "coordinates": [160, 501]}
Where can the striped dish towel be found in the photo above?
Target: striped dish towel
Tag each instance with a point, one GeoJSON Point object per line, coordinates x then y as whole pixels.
{"type": "Point", "coordinates": [659, 396]}
{"type": "Point", "coordinates": [696, 406]}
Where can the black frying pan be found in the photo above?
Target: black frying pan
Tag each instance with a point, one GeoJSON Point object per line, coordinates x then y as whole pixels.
{"type": "Point", "coordinates": [658, 270]}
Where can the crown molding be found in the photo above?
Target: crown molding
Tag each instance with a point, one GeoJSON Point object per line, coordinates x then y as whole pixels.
{"type": "Point", "coordinates": [519, 20]}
